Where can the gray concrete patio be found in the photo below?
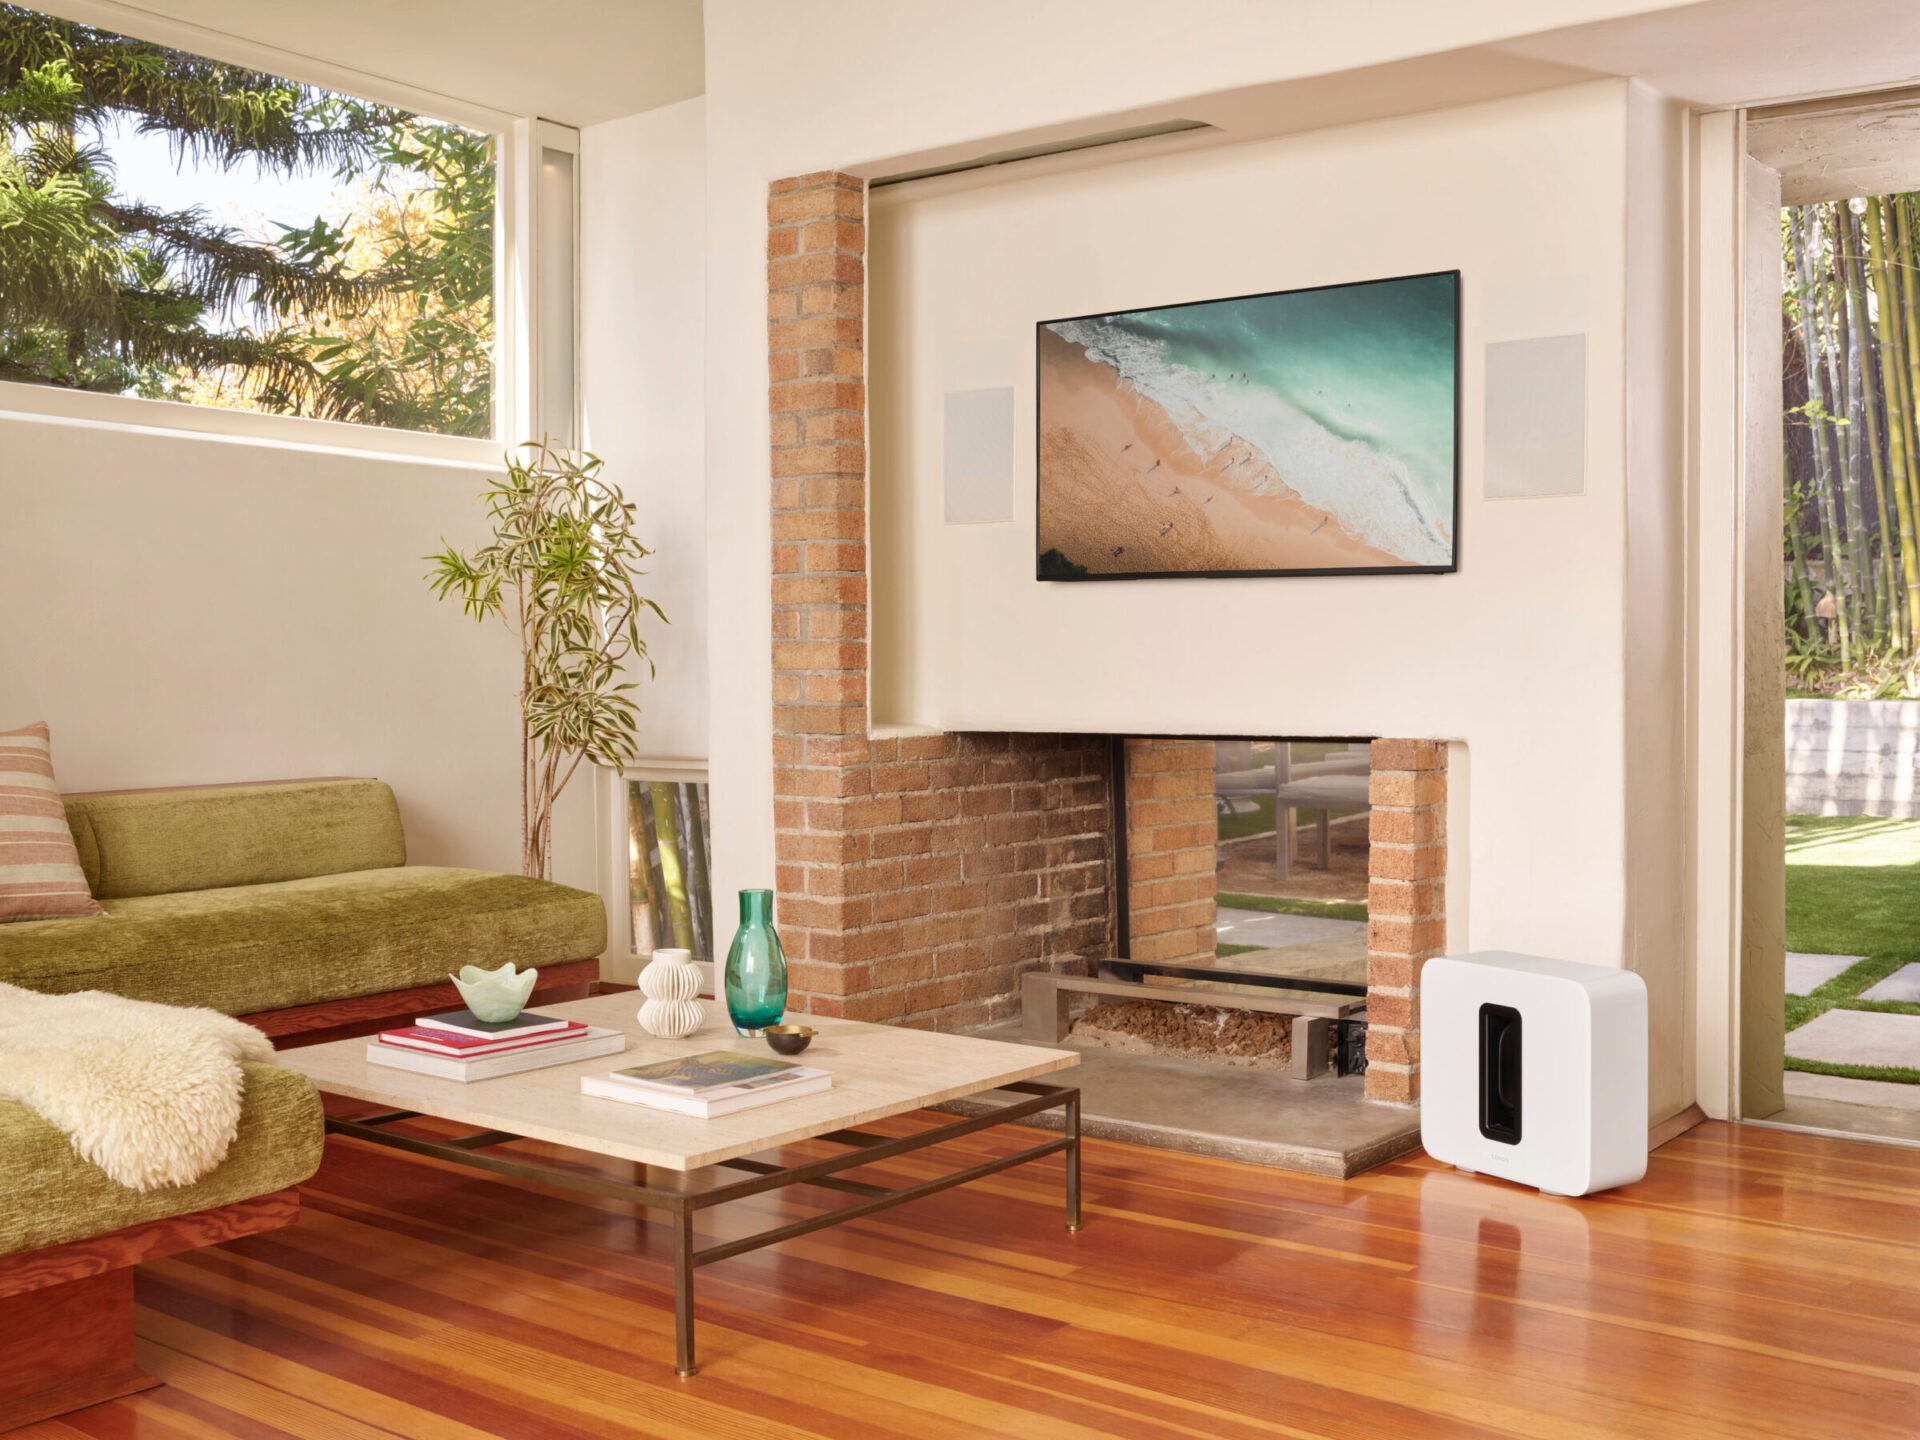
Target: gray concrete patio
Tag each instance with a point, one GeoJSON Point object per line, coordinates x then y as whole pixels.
{"type": "Point", "coordinates": [1858, 1037]}
{"type": "Point", "coordinates": [1807, 973]}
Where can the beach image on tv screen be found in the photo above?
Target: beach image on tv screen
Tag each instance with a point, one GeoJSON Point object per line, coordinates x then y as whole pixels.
{"type": "Point", "coordinates": [1299, 431]}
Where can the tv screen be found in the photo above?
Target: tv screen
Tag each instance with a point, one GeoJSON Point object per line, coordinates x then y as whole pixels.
{"type": "Point", "coordinates": [1302, 432]}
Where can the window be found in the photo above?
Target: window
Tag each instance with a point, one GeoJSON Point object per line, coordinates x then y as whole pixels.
{"type": "Point", "coordinates": [178, 228]}
{"type": "Point", "coordinates": [669, 847]}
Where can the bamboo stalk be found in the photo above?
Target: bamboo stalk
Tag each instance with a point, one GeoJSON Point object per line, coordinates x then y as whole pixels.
{"type": "Point", "coordinates": [1797, 484]}
{"type": "Point", "coordinates": [1802, 578]}
{"type": "Point", "coordinates": [1802, 232]}
{"type": "Point", "coordinates": [658, 920]}
{"type": "Point", "coordinates": [1901, 280]}
{"type": "Point", "coordinates": [1891, 391]}
{"type": "Point", "coordinates": [1830, 331]}
{"type": "Point", "coordinates": [699, 885]}
{"type": "Point", "coordinates": [1901, 454]}
{"type": "Point", "coordinates": [680, 918]}
{"type": "Point", "coordinates": [1901, 383]}
{"type": "Point", "coordinates": [1886, 588]}
{"type": "Point", "coordinates": [638, 861]}
{"type": "Point", "coordinates": [1846, 363]}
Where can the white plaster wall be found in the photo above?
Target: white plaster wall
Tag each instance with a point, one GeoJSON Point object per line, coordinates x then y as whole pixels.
{"type": "Point", "coordinates": [643, 227]}
{"type": "Point", "coordinates": [1659, 891]}
{"type": "Point", "coordinates": [185, 610]}
{"type": "Point", "coordinates": [1519, 655]}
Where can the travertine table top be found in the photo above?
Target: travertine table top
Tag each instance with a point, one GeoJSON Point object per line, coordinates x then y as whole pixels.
{"type": "Point", "coordinates": [878, 1070]}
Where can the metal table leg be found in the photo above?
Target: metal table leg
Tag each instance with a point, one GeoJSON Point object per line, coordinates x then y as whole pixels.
{"type": "Point", "coordinates": [1073, 1161]}
{"type": "Point", "coordinates": [683, 1293]}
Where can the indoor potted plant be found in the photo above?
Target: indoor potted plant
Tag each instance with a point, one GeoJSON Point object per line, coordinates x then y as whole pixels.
{"type": "Point", "coordinates": [561, 570]}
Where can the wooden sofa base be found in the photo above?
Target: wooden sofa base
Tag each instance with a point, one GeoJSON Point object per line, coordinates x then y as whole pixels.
{"type": "Point", "coordinates": [364, 1014]}
{"type": "Point", "coordinates": [66, 1348]}
{"type": "Point", "coordinates": [66, 1314]}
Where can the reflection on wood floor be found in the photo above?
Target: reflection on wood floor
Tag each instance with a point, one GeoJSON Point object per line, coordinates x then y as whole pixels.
{"type": "Point", "coordinates": [1756, 1283]}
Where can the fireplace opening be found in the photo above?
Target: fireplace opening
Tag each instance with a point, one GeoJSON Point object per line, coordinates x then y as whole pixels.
{"type": "Point", "coordinates": [1273, 901]}
{"type": "Point", "coordinates": [1242, 876]}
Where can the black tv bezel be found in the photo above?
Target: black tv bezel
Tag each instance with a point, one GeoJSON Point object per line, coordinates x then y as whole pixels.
{"type": "Point", "coordinates": [1450, 568]}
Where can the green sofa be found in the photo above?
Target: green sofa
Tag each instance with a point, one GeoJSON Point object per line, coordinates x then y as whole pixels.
{"type": "Point", "coordinates": [70, 1239]}
{"type": "Point", "coordinates": [291, 905]}
{"type": "Point", "coordinates": [53, 1197]}
{"type": "Point", "coordinates": [263, 898]}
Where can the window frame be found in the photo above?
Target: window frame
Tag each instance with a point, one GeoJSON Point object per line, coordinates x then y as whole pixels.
{"type": "Point", "coordinates": [512, 262]}
{"type": "Point", "coordinates": [544, 136]}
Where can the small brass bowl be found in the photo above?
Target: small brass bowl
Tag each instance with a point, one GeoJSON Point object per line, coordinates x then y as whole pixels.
{"type": "Point", "coordinates": [789, 1039]}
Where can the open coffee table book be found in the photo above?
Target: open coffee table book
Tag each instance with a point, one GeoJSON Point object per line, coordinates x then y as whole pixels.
{"type": "Point", "coordinates": [688, 1164]}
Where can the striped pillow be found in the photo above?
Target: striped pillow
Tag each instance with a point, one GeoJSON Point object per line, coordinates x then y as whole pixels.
{"type": "Point", "coordinates": [40, 875]}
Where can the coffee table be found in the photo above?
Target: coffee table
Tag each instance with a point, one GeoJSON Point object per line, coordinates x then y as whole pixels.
{"type": "Point", "coordinates": [878, 1071]}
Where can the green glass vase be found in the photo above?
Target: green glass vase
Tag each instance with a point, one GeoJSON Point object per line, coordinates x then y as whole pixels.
{"type": "Point", "coordinates": [756, 967]}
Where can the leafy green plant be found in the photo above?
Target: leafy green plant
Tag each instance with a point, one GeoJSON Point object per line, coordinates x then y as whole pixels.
{"type": "Point", "coordinates": [562, 571]}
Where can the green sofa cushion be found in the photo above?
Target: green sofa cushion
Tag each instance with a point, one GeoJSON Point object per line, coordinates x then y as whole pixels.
{"type": "Point", "coordinates": [156, 842]}
{"type": "Point", "coordinates": [50, 1196]}
{"type": "Point", "coordinates": [329, 937]}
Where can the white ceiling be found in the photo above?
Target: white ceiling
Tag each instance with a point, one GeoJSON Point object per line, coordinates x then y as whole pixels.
{"type": "Point", "coordinates": [574, 61]}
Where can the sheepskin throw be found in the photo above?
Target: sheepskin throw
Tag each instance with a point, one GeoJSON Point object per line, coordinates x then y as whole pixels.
{"type": "Point", "coordinates": [149, 1093]}
{"type": "Point", "coordinates": [40, 874]}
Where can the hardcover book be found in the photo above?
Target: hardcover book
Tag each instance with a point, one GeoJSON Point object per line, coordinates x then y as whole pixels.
{"type": "Point", "coordinates": [704, 1105]}
{"type": "Point", "coordinates": [711, 1070]}
{"type": "Point", "coordinates": [593, 1043]}
{"type": "Point", "coordinates": [453, 1042]}
{"type": "Point", "coordinates": [465, 1022]}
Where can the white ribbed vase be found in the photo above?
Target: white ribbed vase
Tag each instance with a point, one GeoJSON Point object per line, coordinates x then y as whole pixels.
{"type": "Point", "coordinates": [671, 983]}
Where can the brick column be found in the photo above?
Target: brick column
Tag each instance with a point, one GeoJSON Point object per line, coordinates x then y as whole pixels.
{"type": "Point", "coordinates": [1173, 847]}
{"type": "Point", "coordinates": [816, 314]}
{"type": "Point", "coordinates": [918, 876]}
{"type": "Point", "coordinates": [1406, 906]}
{"type": "Point", "coordinates": [816, 307]}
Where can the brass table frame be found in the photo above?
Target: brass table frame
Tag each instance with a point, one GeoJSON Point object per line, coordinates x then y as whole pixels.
{"type": "Point", "coordinates": [683, 1193]}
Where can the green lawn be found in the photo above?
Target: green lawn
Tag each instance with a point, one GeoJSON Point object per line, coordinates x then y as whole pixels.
{"type": "Point", "coordinates": [1853, 888]}
{"type": "Point", "coordinates": [1241, 823]}
{"type": "Point", "coordinates": [1283, 905]}
{"type": "Point", "coordinates": [1259, 820]}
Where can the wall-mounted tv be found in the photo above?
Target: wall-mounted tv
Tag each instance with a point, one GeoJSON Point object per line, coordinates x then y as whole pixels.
{"type": "Point", "coordinates": [1301, 432]}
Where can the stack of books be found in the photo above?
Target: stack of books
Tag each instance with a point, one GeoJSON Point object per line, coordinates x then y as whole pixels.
{"type": "Point", "coordinates": [718, 1082]}
{"type": "Point", "coordinates": [459, 1046]}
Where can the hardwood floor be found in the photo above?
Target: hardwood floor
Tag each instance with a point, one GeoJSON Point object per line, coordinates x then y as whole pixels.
{"type": "Point", "coordinates": [1757, 1283]}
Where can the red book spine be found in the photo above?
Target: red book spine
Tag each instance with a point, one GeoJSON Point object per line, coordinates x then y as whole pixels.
{"type": "Point", "coordinates": [433, 1043]}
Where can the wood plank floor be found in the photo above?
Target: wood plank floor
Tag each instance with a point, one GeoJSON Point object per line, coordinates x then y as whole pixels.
{"type": "Point", "coordinates": [1757, 1283]}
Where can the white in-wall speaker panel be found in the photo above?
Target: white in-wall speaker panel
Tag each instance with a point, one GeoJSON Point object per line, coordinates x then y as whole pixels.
{"type": "Point", "coordinates": [1536, 430]}
{"type": "Point", "coordinates": [977, 445]}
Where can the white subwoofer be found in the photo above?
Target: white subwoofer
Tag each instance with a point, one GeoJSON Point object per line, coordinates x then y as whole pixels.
{"type": "Point", "coordinates": [1534, 1070]}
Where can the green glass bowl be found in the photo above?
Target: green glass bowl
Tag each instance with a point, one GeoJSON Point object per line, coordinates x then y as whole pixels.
{"type": "Point", "coordinates": [494, 995]}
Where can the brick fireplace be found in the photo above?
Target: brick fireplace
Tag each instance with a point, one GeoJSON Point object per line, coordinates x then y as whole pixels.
{"type": "Point", "coordinates": [920, 875]}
